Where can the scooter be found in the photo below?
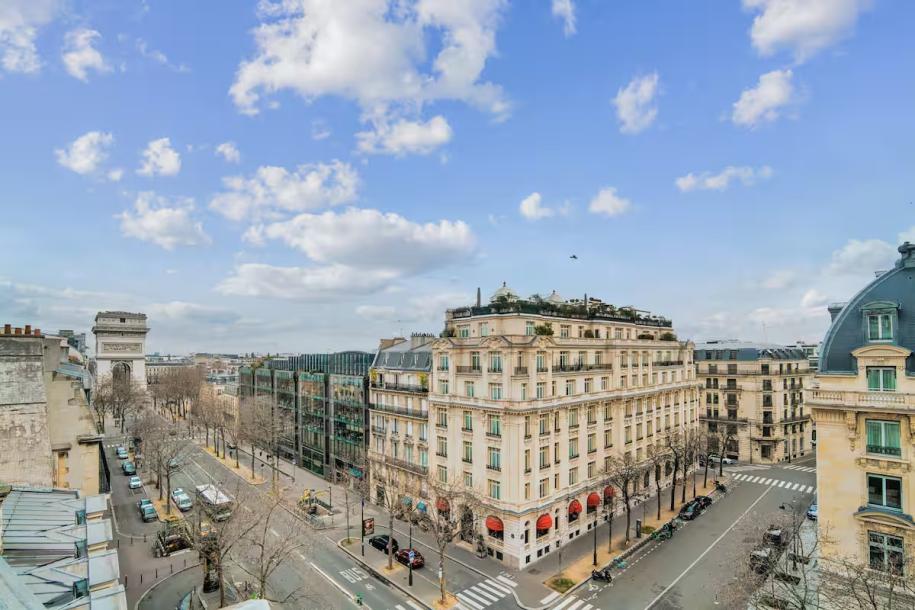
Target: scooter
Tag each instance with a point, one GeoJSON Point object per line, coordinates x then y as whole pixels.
{"type": "Point", "coordinates": [602, 574]}
{"type": "Point", "coordinates": [721, 487]}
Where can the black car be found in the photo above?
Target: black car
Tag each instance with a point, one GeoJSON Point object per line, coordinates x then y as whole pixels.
{"type": "Point", "coordinates": [704, 502]}
{"type": "Point", "coordinates": [381, 543]}
{"type": "Point", "coordinates": [690, 510]}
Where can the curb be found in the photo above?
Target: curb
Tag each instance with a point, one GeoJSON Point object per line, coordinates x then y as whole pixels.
{"type": "Point", "coordinates": [136, 604]}
{"type": "Point", "coordinates": [387, 581]}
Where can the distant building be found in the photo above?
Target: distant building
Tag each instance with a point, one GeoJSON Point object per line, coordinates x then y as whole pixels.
{"type": "Point", "coordinates": [56, 552]}
{"type": "Point", "coordinates": [48, 433]}
{"type": "Point", "coordinates": [812, 350]}
{"type": "Point", "coordinates": [76, 340]}
{"type": "Point", "coordinates": [864, 407]}
{"type": "Point", "coordinates": [757, 391]}
{"type": "Point", "coordinates": [158, 366]}
{"type": "Point", "coordinates": [120, 345]}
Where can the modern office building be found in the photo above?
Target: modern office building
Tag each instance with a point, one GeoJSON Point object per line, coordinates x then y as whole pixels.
{"type": "Point", "coordinates": [756, 390]}
{"type": "Point", "coordinates": [528, 399]}
{"type": "Point", "coordinates": [864, 408]}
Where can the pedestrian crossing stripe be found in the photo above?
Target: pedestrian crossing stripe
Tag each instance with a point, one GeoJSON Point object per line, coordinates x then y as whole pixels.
{"type": "Point", "coordinates": [789, 485]}
{"type": "Point", "coordinates": [571, 603]}
{"type": "Point", "coordinates": [410, 603]}
{"type": "Point", "coordinates": [485, 593]}
{"type": "Point", "coordinates": [801, 468]}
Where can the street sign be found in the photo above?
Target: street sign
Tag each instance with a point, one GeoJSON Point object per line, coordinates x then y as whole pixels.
{"type": "Point", "coordinates": [368, 526]}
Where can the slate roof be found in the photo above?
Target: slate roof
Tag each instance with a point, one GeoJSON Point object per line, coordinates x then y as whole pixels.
{"type": "Point", "coordinates": [745, 351]}
{"type": "Point", "coordinates": [403, 357]}
{"type": "Point", "coordinates": [847, 331]}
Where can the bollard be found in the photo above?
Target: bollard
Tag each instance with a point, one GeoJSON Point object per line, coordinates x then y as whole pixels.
{"type": "Point", "coordinates": [144, 538]}
{"type": "Point", "coordinates": [125, 581]}
{"type": "Point", "coordinates": [157, 573]}
{"type": "Point", "coordinates": [131, 541]}
{"type": "Point", "coordinates": [141, 578]}
{"type": "Point", "coordinates": [172, 568]}
{"type": "Point", "coordinates": [185, 562]}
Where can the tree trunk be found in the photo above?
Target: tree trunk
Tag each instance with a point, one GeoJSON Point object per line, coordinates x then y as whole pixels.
{"type": "Point", "coordinates": [207, 428]}
{"type": "Point", "coordinates": [168, 501]}
{"type": "Point", "coordinates": [390, 538]}
{"type": "Point", "coordinates": [236, 453]}
{"type": "Point", "coordinates": [673, 484]}
{"type": "Point", "coordinates": [628, 519]}
{"type": "Point", "coordinates": [705, 476]}
{"type": "Point", "coordinates": [610, 528]}
{"type": "Point", "coordinates": [159, 481]}
{"type": "Point", "coordinates": [657, 484]}
{"type": "Point", "coordinates": [694, 483]}
{"type": "Point", "coordinates": [721, 465]}
{"type": "Point", "coordinates": [441, 570]}
{"type": "Point", "coordinates": [683, 469]}
{"type": "Point", "coordinates": [222, 592]}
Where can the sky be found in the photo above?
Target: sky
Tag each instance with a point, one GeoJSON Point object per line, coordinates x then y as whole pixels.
{"type": "Point", "coordinates": [313, 175]}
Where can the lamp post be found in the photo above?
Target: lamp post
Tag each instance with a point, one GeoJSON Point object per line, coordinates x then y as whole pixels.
{"type": "Point", "coordinates": [362, 526]}
{"type": "Point", "coordinates": [594, 561]}
{"type": "Point", "coordinates": [410, 549]}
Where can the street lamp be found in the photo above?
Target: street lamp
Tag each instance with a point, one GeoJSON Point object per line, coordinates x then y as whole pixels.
{"type": "Point", "coordinates": [362, 527]}
{"type": "Point", "coordinates": [594, 561]}
{"type": "Point", "coordinates": [410, 554]}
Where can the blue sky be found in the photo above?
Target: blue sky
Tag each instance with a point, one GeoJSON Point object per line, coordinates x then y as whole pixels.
{"type": "Point", "coordinates": [312, 175]}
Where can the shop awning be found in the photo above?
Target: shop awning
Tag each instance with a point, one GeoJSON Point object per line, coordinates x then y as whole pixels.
{"type": "Point", "coordinates": [593, 500]}
{"type": "Point", "coordinates": [544, 522]}
{"type": "Point", "coordinates": [407, 500]}
{"type": "Point", "coordinates": [494, 524]}
{"type": "Point", "coordinates": [421, 506]}
{"type": "Point", "coordinates": [574, 507]}
{"type": "Point", "coordinates": [442, 505]}
{"type": "Point", "coordinates": [608, 492]}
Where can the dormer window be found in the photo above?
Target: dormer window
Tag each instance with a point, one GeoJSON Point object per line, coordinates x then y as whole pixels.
{"type": "Point", "coordinates": [880, 327]}
{"type": "Point", "coordinates": [881, 379]}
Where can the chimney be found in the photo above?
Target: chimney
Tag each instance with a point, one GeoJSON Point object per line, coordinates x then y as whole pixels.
{"type": "Point", "coordinates": [28, 329]}
{"type": "Point", "coordinates": [478, 297]}
{"type": "Point", "coordinates": [37, 332]}
{"type": "Point", "coordinates": [7, 329]}
{"type": "Point", "coordinates": [17, 331]}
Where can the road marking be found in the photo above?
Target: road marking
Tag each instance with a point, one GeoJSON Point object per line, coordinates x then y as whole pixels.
{"type": "Point", "coordinates": [563, 603]}
{"type": "Point", "coordinates": [482, 593]}
{"type": "Point", "coordinates": [706, 551]}
{"type": "Point", "coordinates": [576, 604]}
{"type": "Point", "coordinates": [274, 532]}
{"type": "Point", "coordinates": [414, 605]}
{"type": "Point", "coordinates": [507, 581]}
{"type": "Point", "coordinates": [782, 483]}
{"type": "Point", "coordinates": [499, 592]}
{"type": "Point", "coordinates": [795, 486]}
{"type": "Point", "coordinates": [476, 597]}
{"type": "Point", "coordinates": [755, 479]}
{"type": "Point", "coordinates": [467, 601]}
{"type": "Point", "coordinates": [549, 598]}
{"type": "Point", "coordinates": [335, 583]}
{"type": "Point", "coordinates": [494, 585]}
{"type": "Point", "coordinates": [399, 607]}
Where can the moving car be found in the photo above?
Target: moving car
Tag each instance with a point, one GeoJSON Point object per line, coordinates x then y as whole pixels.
{"type": "Point", "coordinates": [403, 556]}
{"type": "Point", "coordinates": [181, 499]}
{"type": "Point", "coordinates": [690, 510]}
{"type": "Point", "coordinates": [703, 501]}
{"type": "Point", "coordinates": [381, 543]}
{"type": "Point", "coordinates": [714, 459]}
{"type": "Point", "coordinates": [129, 468]}
{"type": "Point", "coordinates": [135, 482]}
{"type": "Point", "coordinates": [812, 512]}
{"type": "Point", "coordinates": [122, 453]}
{"type": "Point", "coordinates": [147, 512]}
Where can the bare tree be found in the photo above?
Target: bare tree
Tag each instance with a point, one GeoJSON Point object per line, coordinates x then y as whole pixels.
{"type": "Point", "coordinates": [442, 523]}
{"type": "Point", "coordinates": [706, 438]}
{"type": "Point", "coordinates": [657, 455]}
{"type": "Point", "coordinates": [723, 436]}
{"type": "Point", "coordinates": [390, 496]}
{"type": "Point", "coordinates": [623, 472]}
{"type": "Point", "coordinates": [174, 453]}
{"type": "Point", "coordinates": [675, 447]}
{"type": "Point", "coordinates": [692, 446]}
{"type": "Point", "coordinates": [116, 397]}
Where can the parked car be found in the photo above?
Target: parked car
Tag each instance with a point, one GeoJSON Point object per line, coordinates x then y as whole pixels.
{"type": "Point", "coordinates": [812, 512]}
{"type": "Point", "coordinates": [181, 499]}
{"type": "Point", "coordinates": [147, 511]}
{"type": "Point", "coordinates": [775, 537]}
{"type": "Point", "coordinates": [381, 543]}
{"type": "Point", "coordinates": [690, 510]}
{"type": "Point", "coordinates": [762, 559]}
{"type": "Point", "coordinates": [129, 468]}
{"type": "Point", "coordinates": [403, 556]}
{"type": "Point", "coordinates": [703, 501]}
{"type": "Point", "coordinates": [122, 453]}
{"type": "Point", "coordinates": [135, 482]}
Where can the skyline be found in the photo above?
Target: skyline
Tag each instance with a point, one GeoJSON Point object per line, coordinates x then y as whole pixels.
{"type": "Point", "coordinates": [252, 193]}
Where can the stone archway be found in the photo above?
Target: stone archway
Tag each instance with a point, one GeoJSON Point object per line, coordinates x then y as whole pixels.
{"type": "Point", "coordinates": [120, 372]}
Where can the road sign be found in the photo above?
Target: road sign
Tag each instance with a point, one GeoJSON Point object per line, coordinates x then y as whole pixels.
{"type": "Point", "coordinates": [368, 526]}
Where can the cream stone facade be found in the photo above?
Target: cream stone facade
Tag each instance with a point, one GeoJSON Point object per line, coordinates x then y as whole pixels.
{"type": "Point", "coordinates": [120, 345]}
{"type": "Point", "coordinates": [526, 421]}
{"type": "Point", "coordinates": [757, 391]}
{"type": "Point", "coordinates": [864, 408]}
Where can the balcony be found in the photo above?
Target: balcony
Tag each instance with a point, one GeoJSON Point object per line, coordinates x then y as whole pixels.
{"type": "Point", "coordinates": [795, 419]}
{"type": "Point", "coordinates": [468, 370]}
{"type": "Point", "coordinates": [668, 363]}
{"type": "Point", "coordinates": [408, 466]}
{"type": "Point", "coordinates": [495, 467]}
{"type": "Point", "coordinates": [568, 367]}
{"type": "Point", "coordinates": [543, 369]}
{"type": "Point", "coordinates": [494, 369]}
{"type": "Point", "coordinates": [443, 369]}
{"type": "Point", "coordinates": [883, 450]}
{"type": "Point", "coordinates": [520, 371]}
{"type": "Point", "coordinates": [491, 434]}
{"type": "Point", "coordinates": [401, 387]}
{"type": "Point", "coordinates": [891, 402]}
{"type": "Point", "coordinates": [415, 413]}
{"type": "Point", "coordinates": [709, 416]}
{"type": "Point", "coordinates": [378, 429]}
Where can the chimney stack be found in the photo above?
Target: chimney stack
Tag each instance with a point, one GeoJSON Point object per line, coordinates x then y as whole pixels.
{"type": "Point", "coordinates": [7, 329]}
{"type": "Point", "coordinates": [479, 299]}
{"type": "Point", "coordinates": [17, 331]}
{"type": "Point", "coordinates": [28, 329]}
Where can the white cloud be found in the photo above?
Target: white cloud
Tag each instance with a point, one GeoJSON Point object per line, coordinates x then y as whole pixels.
{"type": "Point", "coordinates": [319, 130]}
{"type": "Point", "coordinates": [765, 101]}
{"type": "Point", "coordinates": [377, 312]}
{"type": "Point", "coordinates": [80, 56]}
{"type": "Point", "coordinates": [532, 209]}
{"type": "Point", "coordinates": [371, 51]}
{"type": "Point", "coordinates": [115, 174]}
{"type": "Point", "coordinates": [635, 103]}
{"type": "Point", "coordinates": [183, 311]}
{"type": "Point", "coordinates": [607, 202]}
{"type": "Point", "coordinates": [780, 279]}
{"type": "Point", "coordinates": [272, 190]}
{"type": "Point", "coordinates": [565, 10]}
{"type": "Point", "coordinates": [720, 181]}
{"type": "Point", "coordinates": [159, 158]}
{"type": "Point", "coordinates": [422, 309]}
{"type": "Point", "coordinates": [370, 239]}
{"type": "Point", "coordinates": [86, 153]}
{"type": "Point", "coordinates": [20, 21]}
{"type": "Point", "coordinates": [803, 26]}
{"type": "Point", "coordinates": [862, 257]}
{"type": "Point", "coordinates": [159, 57]}
{"type": "Point", "coordinates": [405, 137]}
{"type": "Point", "coordinates": [813, 298]}
{"type": "Point", "coordinates": [163, 223]}
{"type": "Point", "coordinates": [229, 152]}
{"type": "Point", "coordinates": [303, 283]}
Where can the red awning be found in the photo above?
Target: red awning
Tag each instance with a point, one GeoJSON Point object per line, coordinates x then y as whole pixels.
{"type": "Point", "coordinates": [544, 522]}
{"type": "Point", "coordinates": [574, 507]}
{"type": "Point", "coordinates": [593, 500]}
{"type": "Point", "coordinates": [442, 505]}
{"type": "Point", "coordinates": [494, 524]}
{"type": "Point", "coordinates": [609, 492]}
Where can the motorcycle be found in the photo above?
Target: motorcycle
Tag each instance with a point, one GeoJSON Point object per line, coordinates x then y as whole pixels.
{"type": "Point", "coordinates": [665, 532]}
{"type": "Point", "coordinates": [721, 487]}
{"type": "Point", "coordinates": [602, 574]}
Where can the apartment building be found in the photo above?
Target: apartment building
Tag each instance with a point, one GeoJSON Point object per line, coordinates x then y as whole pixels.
{"type": "Point", "coordinates": [756, 390]}
{"type": "Point", "coordinates": [527, 401]}
{"type": "Point", "coordinates": [399, 417]}
{"type": "Point", "coordinates": [864, 408]}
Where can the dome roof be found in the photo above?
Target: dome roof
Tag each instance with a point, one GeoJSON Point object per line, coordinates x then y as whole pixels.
{"type": "Point", "coordinates": [504, 291]}
{"type": "Point", "coordinates": [555, 298]}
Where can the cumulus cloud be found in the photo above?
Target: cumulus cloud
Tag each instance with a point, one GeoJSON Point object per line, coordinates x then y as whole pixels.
{"type": "Point", "coordinates": [608, 203]}
{"type": "Point", "coordinates": [813, 298]}
{"type": "Point", "coordinates": [20, 21]}
{"type": "Point", "coordinates": [159, 57]}
{"type": "Point", "coordinates": [115, 174]}
{"type": "Point", "coordinates": [422, 309]}
{"type": "Point", "coordinates": [405, 137]}
{"type": "Point", "coordinates": [862, 257]}
{"type": "Point", "coordinates": [160, 159]}
{"type": "Point", "coordinates": [635, 103]}
{"type": "Point", "coordinates": [229, 152]}
{"type": "Point", "coordinates": [303, 283]}
{"type": "Point", "coordinates": [565, 10]}
{"type": "Point", "coordinates": [183, 311]}
{"type": "Point", "coordinates": [86, 154]}
{"type": "Point", "coordinates": [80, 56]}
{"type": "Point", "coordinates": [804, 27]}
{"type": "Point", "coordinates": [718, 182]}
{"type": "Point", "coordinates": [320, 130]}
{"type": "Point", "coordinates": [780, 279]}
{"type": "Point", "coordinates": [532, 209]}
{"type": "Point", "coordinates": [273, 190]}
{"type": "Point", "coordinates": [765, 101]}
{"type": "Point", "coordinates": [167, 224]}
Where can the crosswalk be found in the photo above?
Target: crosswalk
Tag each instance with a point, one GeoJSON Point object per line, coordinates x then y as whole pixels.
{"type": "Point", "coordinates": [786, 485]}
{"type": "Point", "coordinates": [484, 593]}
{"type": "Point", "coordinates": [801, 468]}
{"type": "Point", "coordinates": [409, 603]}
{"type": "Point", "coordinates": [747, 467]}
{"type": "Point", "coordinates": [573, 603]}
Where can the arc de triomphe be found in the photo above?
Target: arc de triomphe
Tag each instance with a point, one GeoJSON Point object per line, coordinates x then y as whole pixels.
{"type": "Point", "coordinates": [120, 345]}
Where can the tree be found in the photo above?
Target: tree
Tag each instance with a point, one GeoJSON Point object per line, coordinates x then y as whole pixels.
{"type": "Point", "coordinates": [675, 447]}
{"type": "Point", "coordinates": [692, 445]}
{"type": "Point", "coordinates": [623, 472]}
{"type": "Point", "coordinates": [174, 453]}
{"type": "Point", "coordinates": [705, 450]}
{"type": "Point", "coordinates": [390, 496]}
{"type": "Point", "coordinates": [723, 436]}
{"type": "Point", "coordinates": [441, 522]}
{"type": "Point", "coordinates": [658, 456]}
{"type": "Point", "coordinates": [118, 397]}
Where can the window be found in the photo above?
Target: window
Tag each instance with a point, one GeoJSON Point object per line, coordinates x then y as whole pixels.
{"type": "Point", "coordinates": [527, 490]}
{"type": "Point", "coordinates": [442, 386]}
{"type": "Point", "coordinates": [592, 415]}
{"type": "Point", "coordinates": [544, 488]}
{"type": "Point", "coordinates": [443, 362]}
{"type": "Point", "coordinates": [573, 447]}
{"type": "Point", "coordinates": [423, 458]}
{"type": "Point", "coordinates": [628, 434]}
{"type": "Point", "coordinates": [523, 391]}
{"type": "Point", "coordinates": [608, 439]}
{"type": "Point", "coordinates": [442, 447]}
{"type": "Point", "coordinates": [541, 364]}
{"type": "Point", "coordinates": [545, 456]}
{"type": "Point", "coordinates": [527, 426]}
{"type": "Point", "coordinates": [573, 476]}
{"type": "Point", "coordinates": [564, 330]}
{"type": "Point", "coordinates": [495, 459]}
{"type": "Point", "coordinates": [883, 437]}
{"type": "Point", "coordinates": [495, 391]}
{"type": "Point", "coordinates": [468, 421]}
{"type": "Point", "coordinates": [484, 329]}
{"type": "Point", "coordinates": [592, 469]}
{"type": "Point", "coordinates": [573, 418]}
{"type": "Point", "coordinates": [475, 361]}
{"type": "Point", "coordinates": [529, 328]}
{"type": "Point", "coordinates": [884, 491]}
{"type": "Point", "coordinates": [880, 327]}
{"type": "Point", "coordinates": [495, 362]}
{"type": "Point", "coordinates": [544, 424]}
{"type": "Point", "coordinates": [468, 389]}
{"type": "Point", "coordinates": [592, 442]}
{"type": "Point", "coordinates": [394, 449]}
{"type": "Point", "coordinates": [468, 480]}
{"type": "Point", "coordinates": [881, 379]}
{"type": "Point", "coordinates": [604, 383]}
{"type": "Point", "coordinates": [495, 425]}
{"type": "Point", "coordinates": [527, 460]}
{"type": "Point", "coordinates": [442, 421]}
{"type": "Point", "coordinates": [463, 331]}
{"type": "Point", "coordinates": [885, 552]}
{"type": "Point", "coordinates": [541, 388]}
{"type": "Point", "coordinates": [468, 452]}
{"type": "Point", "coordinates": [442, 474]}
{"type": "Point", "coordinates": [589, 385]}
